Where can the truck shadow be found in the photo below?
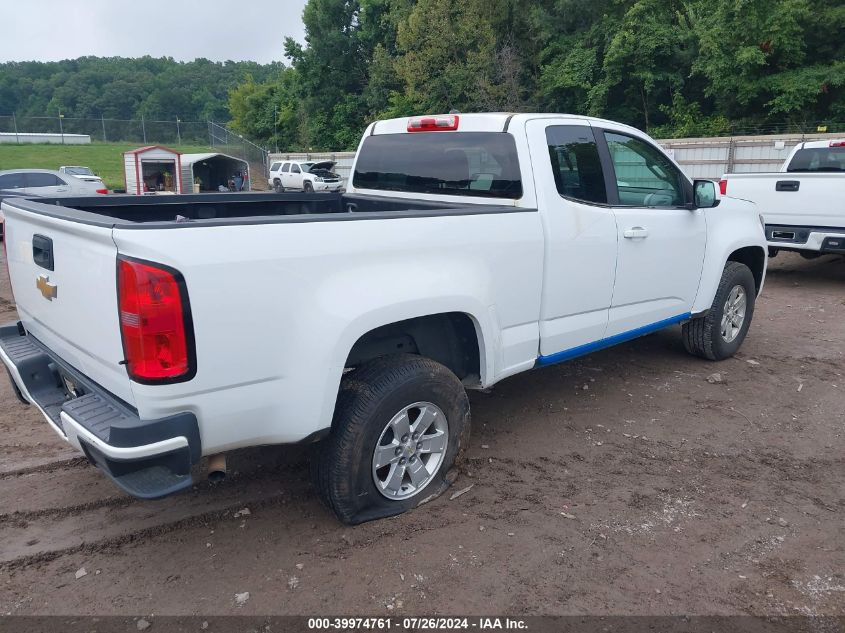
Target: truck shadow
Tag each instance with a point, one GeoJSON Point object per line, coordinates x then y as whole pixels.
{"type": "Point", "coordinates": [788, 268]}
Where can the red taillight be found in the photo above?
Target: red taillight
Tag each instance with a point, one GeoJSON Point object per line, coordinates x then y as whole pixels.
{"type": "Point", "coordinates": [102, 190]}
{"type": "Point", "coordinates": [837, 144]}
{"type": "Point", "coordinates": [442, 123]}
{"type": "Point", "coordinates": [723, 186]}
{"type": "Point", "coordinates": [155, 322]}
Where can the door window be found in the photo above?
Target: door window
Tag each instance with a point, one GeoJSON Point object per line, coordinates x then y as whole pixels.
{"type": "Point", "coordinates": [645, 177]}
{"type": "Point", "coordinates": [11, 181]}
{"type": "Point", "coordinates": [286, 168]}
{"type": "Point", "coordinates": [36, 179]}
{"type": "Point", "coordinates": [275, 166]}
{"type": "Point", "coordinates": [575, 163]}
{"type": "Point", "coordinates": [295, 169]}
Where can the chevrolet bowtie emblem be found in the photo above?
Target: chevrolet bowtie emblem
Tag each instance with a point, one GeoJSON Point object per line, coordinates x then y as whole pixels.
{"type": "Point", "coordinates": [48, 290]}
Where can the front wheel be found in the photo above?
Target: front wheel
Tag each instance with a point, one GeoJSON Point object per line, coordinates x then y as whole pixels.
{"type": "Point", "coordinates": [720, 333]}
{"type": "Point", "coordinates": [308, 187]}
{"type": "Point", "coordinates": [400, 423]}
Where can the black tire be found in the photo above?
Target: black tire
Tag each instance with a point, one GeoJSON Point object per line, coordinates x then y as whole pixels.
{"type": "Point", "coordinates": [369, 397]}
{"type": "Point", "coordinates": [308, 187]}
{"type": "Point", "coordinates": [702, 336]}
{"type": "Point", "coordinates": [277, 186]}
{"type": "Point", "coordinates": [773, 252]}
{"type": "Point", "coordinates": [810, 254]}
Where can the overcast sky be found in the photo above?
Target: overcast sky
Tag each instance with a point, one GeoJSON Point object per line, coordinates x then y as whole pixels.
{"type": "Point", "coordinates": [48, 30]}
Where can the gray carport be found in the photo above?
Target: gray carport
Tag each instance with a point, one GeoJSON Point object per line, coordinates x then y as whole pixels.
{"type": "Point", "coordinates": [212, 170]}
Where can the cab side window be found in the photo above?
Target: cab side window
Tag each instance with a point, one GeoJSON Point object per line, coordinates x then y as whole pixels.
{"type": "Point", "coordinates": [645, 177]}
{"type": "Point", "coordinates": [37, 179]}
{"type": "Point", "coordinates": [576, 164]}
{"type": "Point", "coordinates": [295, 169]}
{"type": "Point", "coordinates": [275, 166]}
{"type": "Point", "coordinates": [11, 181]}
{"type": "Point", "coordinates": [286, 168]}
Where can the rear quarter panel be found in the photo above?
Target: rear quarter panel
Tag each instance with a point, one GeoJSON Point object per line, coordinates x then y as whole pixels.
{"type": "Point", "coordinates": [278, 307]}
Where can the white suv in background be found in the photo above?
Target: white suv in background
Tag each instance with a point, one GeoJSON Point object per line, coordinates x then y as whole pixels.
{"type": "Point", "coordinates": [307, 176]}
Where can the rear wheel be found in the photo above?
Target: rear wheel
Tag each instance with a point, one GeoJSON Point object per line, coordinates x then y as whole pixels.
{"type": "Point", "coordinates": [720, 333]}
{"type": "Point", "coordinates": [277, 186]}
{"type": "Point", "coordinates": [400, 424]}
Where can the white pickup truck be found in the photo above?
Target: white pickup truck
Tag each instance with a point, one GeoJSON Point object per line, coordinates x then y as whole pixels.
{"type": "Point", "coordinates": [801, 203]}
{"type": "Point", "coordinates": [469, 248]}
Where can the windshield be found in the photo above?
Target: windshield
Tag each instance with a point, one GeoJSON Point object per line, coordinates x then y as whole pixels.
{"type": "Point", "coordinates": [830, 159]}
{"type": "Point", "coordinates": [78, 171]}
{"type": "Point", "coordinates": [306, 167]}
{"type": "Point", "coordinates": [450, 163]}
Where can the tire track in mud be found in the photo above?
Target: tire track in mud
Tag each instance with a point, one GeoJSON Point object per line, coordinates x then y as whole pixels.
{"type": "Point", "coordinates": [69, 463]}
{"type": "Point", "coordinates": [139, 534]}
{"type": "Point", "coordinates": [48, 533]}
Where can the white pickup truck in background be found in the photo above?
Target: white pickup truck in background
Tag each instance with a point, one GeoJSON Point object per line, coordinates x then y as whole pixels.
{"type": "Point", "coordinates": [802, 203]}
{"type": "Point", "coordinates": [154, 332]}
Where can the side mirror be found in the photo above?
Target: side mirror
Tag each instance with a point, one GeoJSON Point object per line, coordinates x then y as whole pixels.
{"type": "Point", "coordinates": [705, 194]}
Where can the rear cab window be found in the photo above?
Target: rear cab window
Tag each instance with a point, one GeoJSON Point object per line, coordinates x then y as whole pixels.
{"type": "Point", "coordinates": [482, 164]}
{"type": "Point", "coordinates": [818, 159]}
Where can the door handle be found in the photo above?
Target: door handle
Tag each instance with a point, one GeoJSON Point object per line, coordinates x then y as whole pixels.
{"type": "Point", "coordinates": [635, 232]}
{"type": "Point", "coordinates": [787, 185]}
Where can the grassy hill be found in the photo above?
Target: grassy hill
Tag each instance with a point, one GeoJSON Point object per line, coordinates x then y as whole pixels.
{"type": "Point", "coordinates": [105, 159]}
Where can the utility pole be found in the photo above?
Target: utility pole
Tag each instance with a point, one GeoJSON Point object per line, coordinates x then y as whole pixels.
{"type": "Point", "coordinates": [178, 133]}
{"type": "Point", "coordinates": [103, 121]}
{"type": "Point", "coordinates": [144, 129]}
{"type": "Point", "coordinates": [15, 123]}
{"type": "Point", "coordinates": [61, 127]}
{"type": "Point", "coordinates": [276, 127]}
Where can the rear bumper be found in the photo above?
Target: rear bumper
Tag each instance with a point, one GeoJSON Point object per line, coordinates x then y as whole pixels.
{"type": "Point", "coordinates": [146, 458]}
{"type": "Point", "coordinates": [819, 239]}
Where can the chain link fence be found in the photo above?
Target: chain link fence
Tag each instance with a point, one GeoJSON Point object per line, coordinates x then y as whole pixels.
{"type": "Point", "coordinates": [224, 141]}
{"type": "Point", "coordinates": [142, 131]}
{"type": "Point", "coordinates": [174, 132]}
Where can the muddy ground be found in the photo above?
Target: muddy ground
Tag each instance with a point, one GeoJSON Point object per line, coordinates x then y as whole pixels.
{"type": "Point", "coordinates": [624, 482]}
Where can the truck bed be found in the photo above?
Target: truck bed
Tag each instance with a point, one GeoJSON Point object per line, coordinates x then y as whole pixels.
{"type": "Point", "coordinates": [125, 211]}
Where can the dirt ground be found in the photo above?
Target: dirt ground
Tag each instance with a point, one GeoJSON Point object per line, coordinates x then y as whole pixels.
{"type": "Point", "coordinates": [621, 483]}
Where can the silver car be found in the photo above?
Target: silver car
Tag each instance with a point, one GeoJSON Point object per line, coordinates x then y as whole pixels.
{"type": "Point", "coordinates": [46, 182]}
{"type": "Point", "coordinates": [43, 182]}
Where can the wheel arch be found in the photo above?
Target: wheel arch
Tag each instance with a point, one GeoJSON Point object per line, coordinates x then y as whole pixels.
{"type": "Point", "coordinates": [454, 339]}
{"type": "Point", "coordinates": [755, 258]}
